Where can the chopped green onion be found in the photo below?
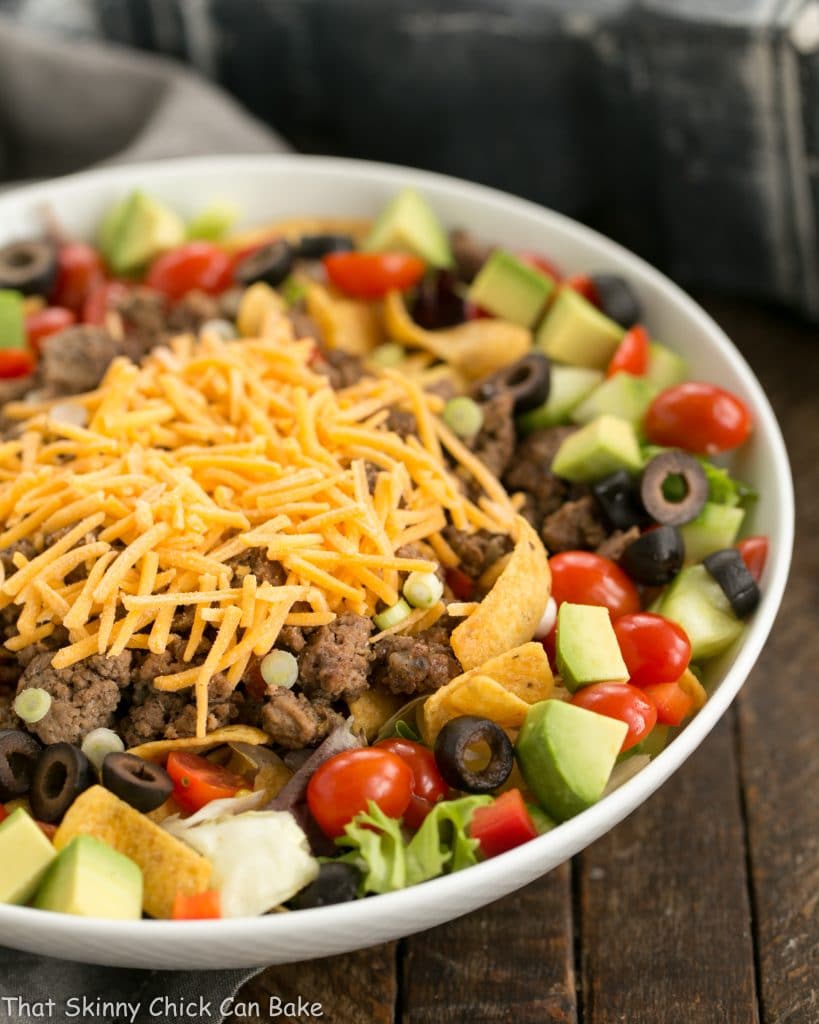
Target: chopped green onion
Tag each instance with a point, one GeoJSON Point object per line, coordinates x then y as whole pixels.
{"type": "Point", "coordinates": [99, 743]}
{"type": "Point", "coordinates": [32, 704]}
{"type": "Point", "coordinates": [463, 416]}
{"type": "Point", "coordinates": [293, 291]}
{"type": "Point", "coordinates": [393, 615]}
{"type": "Point", "coordinates": [279, 668]}
{"type": "Point", "coordinates": [388, 354]}
{"type": "Point", "coordinates": [223, 329]}
{"type": "Point", "coordinates": [423, 589]}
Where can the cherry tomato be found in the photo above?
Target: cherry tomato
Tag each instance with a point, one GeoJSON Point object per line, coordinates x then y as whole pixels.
{"type": "Point", "coordinates": [550, 646]}
{"type": "Point", "coordinates": [369, 275]}
{"type": "Point", "coordinates": [540, 263]}
{"type": "Point", "coordinates": [3, 812]}
{"type": "Point", "coordinates": [583, 285]}
{"type": "Point", "coordinates": [427, 786]}
{"type": "Point", "coordinates": [460, 584]}
{"type": "Point", "coordinates": [16, 362]}
{"type": "Point", "coordinates": [472, 311]}
{"type": "Point", "coordinates": [197, 781]}
{"type": "Point", "coordinates": [79, 271]}
{"type": "Point", "coordinates": [585, 578]}
{"type": "Point", "coordinates": [754, 551]}
{"type": "Point", "coordinates": [44, 322]}
{"type": "Point", "coordinates": [622, 701]}
{"type": "Point", "coordinates": [101, 300]}
{"type": "Point", "coordinates": [698, 417]}
{"type": "Point", "coordinates": [343, 786]}
{"type": "Point", "coordinates": [632, 353]}
{"type": "Point", "coordinates": [195, 265]}
{"type": "Point", "coordinates": [197, 906]}
{"type": "Point", "coordinates": [654, 649]}
{"type": "Point", "coordinates": [503, 824]}
{"type": "Point", "coordinates": [672, 702]}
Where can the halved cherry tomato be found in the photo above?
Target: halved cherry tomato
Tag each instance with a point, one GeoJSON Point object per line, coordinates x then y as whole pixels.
{"type": "Point", "coordinates": [369, 275]}
{"type": "Point", "coordinates": [200, 266]}
{"type": "Point", "coordinates": [79, 271]}
{"type": "Point", "coordinates": [585, 578]}
{"type": "Point", "coordinates": [672, 702]}
{"type": "Point", "coordinates": [699, 418]}
{"type": "Point", "coordinates": [197, 781]}
{"type": "Point", "coordinates": [754, 551]}
{"type": "Point", "coordinates": [44, 322]}
{"type": "Point", "coordinates": [460, 584]}
{"type": "Point", "coordinates": [101, 300]}
{"type": "Point", "coordinates": [3, 812]}
{"type": "Point", "coordinates": [197, 906]}
{"type": "Point", "coordinates": [631, 355]}
{"type": "Point", "coordinates": [472, 311]}
{"type": "Point", "coordinates": [654, 649]}
{"type": "Point", "coordinates": [583, 285]}
{"type": "Point", "coordinates": [427, 786]}
{"type": "Point", "coordinates": [503, 824]}
{"type": "Point", "coordinates": [16, 362]}
{"type": "Point", "coordinates": [545, 266]}
{"type": "Point", "coordinates": [343, 786]}
{"type": "Point", "coordinates": [619, 700]}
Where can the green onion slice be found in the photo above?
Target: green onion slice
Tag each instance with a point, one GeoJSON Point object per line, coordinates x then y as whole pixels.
{"type": "Point", "coordinates": [279, 668]}
{"type": "Point", "coordinates": [393, 615]}
{"type": "Point", "coordinates": [423, 589]}
{"type": "Point", "coordinates": [388, 354]}
{"type": "Point", "coordinates": [463, 416]}
{"type": "Point", "coordinates": [32, 704]}
{"type": "Point", "coordinates": [99, 743]}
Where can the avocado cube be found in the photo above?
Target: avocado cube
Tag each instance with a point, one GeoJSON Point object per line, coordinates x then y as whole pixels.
{"type": "Point", "coordinates": [408, 223]}
{"type": "Point", "coordinates": [598, 449]}
{"type": "Point", "coordinates": [622, 395]}
{"type": "Point", "coordinates": [25, 855]}
{"type": "Point", "coordinates": [510, 289]}
{"type": "Point", "coordinates": [90, 879]}
{"type": "Point", "coordinates": [696, 602]}
{"type": "Point", "coordinates": [568, 386]}
{"type": "Point", "coordinates": [715, 528]}
{"type": "Point", "coordinates": [576, 332]}
{"type": "Point", "coordinates": [137, 229]}
{"type": "Point", "coordinates": [587, 648]}
{"type": "Point", "coordinates": [665, 368]}
{"type": "Point", "coordinates": [566, 755]}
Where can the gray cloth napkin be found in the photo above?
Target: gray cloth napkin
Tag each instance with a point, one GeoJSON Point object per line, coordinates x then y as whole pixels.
{"type": "Point", "coordinates": [63, 107]}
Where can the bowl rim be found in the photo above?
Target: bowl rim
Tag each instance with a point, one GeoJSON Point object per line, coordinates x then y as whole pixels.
{"type": "Point", "coordinates": [579, 831]}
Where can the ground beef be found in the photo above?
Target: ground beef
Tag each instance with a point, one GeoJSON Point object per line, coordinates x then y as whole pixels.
{"type": "Point", "coordinates": [75, 360]}
{"type": "Point", "coordinates": [494, 443]}
{"type": "Point", "coordinates": [576, 524]}
{"type": "Point", "coordinates": [263, 568]}
{"type": "Point", "coordinates": [304, 326]}
{"type": "Point", "coordinates": [414, 664]}
{"type": "Point", "coordinates": [192, 311]}
{"type": "Point", "coordinates": [144, 314]}
{"type": "Point", "coordinates": [341, 368]}
{"type": "Point", "coordinates": [477, 551]}
{"type": "Point", "coordinates": [614, 546]}
{"type": "Point", "coordinates": [530, 472]}
{"type": "Point", "coordinates": [292, 639]}
{"type": "Point", "coordinates": [402, 422]}
{"type": "Point", "coordinates": [229, 303]}
{"type": "Point", "coordinates": [469, 253]}
{"type": "Point", "coordinates": [12, 389]}
{"type": "Point", "coordinates": [84, 696]}
{"type": "Point", "coordinates": [293, 722]}
{"type": "Point", "coordinates": [336, 658]}
{"type": "Point", "coordinates": [8, 719]}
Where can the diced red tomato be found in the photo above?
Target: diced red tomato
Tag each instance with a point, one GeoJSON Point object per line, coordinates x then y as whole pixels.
{"type": "Point", "coordinates": [550, 646]}
{"type": "Point", "coordinates": [427, 786]}
{"type": "Point", "coordinates": [585, 578]}
{"type": "Point", "coordinates": [370, 275]}
{"type": "Point", "coordinates": [45, 322]}
{"type": "Point", "coordinates": [503, 824]}
{"type": "Point", "coordinates": [754, 551]}
{"type": "Point", "coordinates": [3, 812]}
{"type": "Point", "coordinates": [472, 311]}
{"type": "Point", "coordinates": [197, 781]}
{"type": "Point", "coordinates": [197, 906]}
{"type": "Point", "coordinates": [632, 353]}
{"type": "Point", "coordinates": [200, 266]}
{"type": "Point", "coordinates": [79, 271]}
{"type": "Point", "coordinates": [16, 362]}
{"type": "Point", "coordinates": [460, 584]}
{"type": "Point", "coordinates": [344, 785]}
{"type": "Point", "coordinates": [583, 285]}
{"type": "Point", "coordinates": [672, 702]}
{"type": "Point", "coordinates": [654, 649]}
{"type": "Point", "coordinates": [621, 701]}
{"type": "Point", "coordinates": [101, 300]}
{"type": "Point", "coordinates": [697, 417]}
{"type": "Point", "coordinates": [48, 830]}
{"type": "Point", "coordinates": [541, 263]}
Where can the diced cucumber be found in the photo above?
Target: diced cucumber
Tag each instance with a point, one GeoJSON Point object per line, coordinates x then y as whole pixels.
{"type": "Point", "coordinates": [654, 744]}
{"type": "Point", "coordinates": [12, 320]}
{"type": "Point", "coordinates": [568, 387]}
{"type": "Point", "coordinates": [665, 367]}
{"type": "Point", "coordinates": [715, 528]}
{"type": "Point", "coordinates": [214, 222]}
{"type": "Point", "coordinates": [576, 332]}
{"type": "Point", "coordinates": [696, 602]}
{"type": "Point", "coordinates": [622, 395]}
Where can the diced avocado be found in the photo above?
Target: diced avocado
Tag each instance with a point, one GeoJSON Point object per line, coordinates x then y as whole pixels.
{"type": "Point", "coordinates": [509, 288]}
{"type": "Point", "coordinates": [597, 450]}
{"type": "Point", "coordinates": [136, 230]}
{"type": "Point", "coordinates": [12, 320]}
{"type": "Point", "coordinates": [622, 395]}
{"type": "Point", "coordinates": [715, 528]}
{"type": "Point", "coordinates": [576, 332]}
{"type": "Point", "coordinates": [540, 819]}
{"type": "Point", "coordinates": [696, 602]}
{"type": "Point", "coordinates": [91, 879]}
{"type": "Point", "coordinates": [568, 386]}
{"type": "Point", "coordinates": [587, 648]}
{"type": "Point", "coordinates": [665, 367]}
{"type": "Point", "coordinates": [25, 855]}
{"type": "Point", "coordinates": [566, 755]}
{"type": "Point", "coordinates": [214, 222]}
{"type": "Point", "coordinates": [409, 223]}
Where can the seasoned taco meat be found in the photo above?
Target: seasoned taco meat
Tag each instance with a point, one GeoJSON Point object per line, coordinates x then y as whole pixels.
{"type": "Point", "coordinates": [415, 664]}
{"type": "Point", "coordinates": [576, 524]}
{"type": "Point", "coordinates": [75, 360]}
{"type": "Point", "coordinates": [402, 422]}
{"type": "Point", "coordinates": [192, 311]}
{"type": "Point", "coordinates": [477, 551]}
{"type": "Point", "coordinates": [8, 719]}
{"type": "Point", "coordinates": [293, 722]}
{"type": "Point", "coordinates": [469, 253]}
{"type": "Point", "coordinates": [342, 369]}
{"type": "Point", "coordinates": [614, 546]}
{"type": "Point", "coordinates": [336, 658]}
{"type": "Point", "coordinates": [263, 568]}
{"type": "Point", "coordinates": [530, 472]}
{"type": "Point", "coordinates": [494, 443]}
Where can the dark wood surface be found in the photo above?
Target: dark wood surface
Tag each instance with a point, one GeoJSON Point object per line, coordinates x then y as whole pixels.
{"type": "Point", "coordinates": [703, 906]}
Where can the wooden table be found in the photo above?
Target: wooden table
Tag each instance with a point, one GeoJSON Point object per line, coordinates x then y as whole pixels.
{"type": "Point", "coordinates": [702, 907]}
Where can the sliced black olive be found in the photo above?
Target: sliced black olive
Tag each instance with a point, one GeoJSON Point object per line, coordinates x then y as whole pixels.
{"type": "Point", "coordinates": [336, 882]}
{"type": "Point", "coordinates": [314, 247]}
{"type": "Point", "coordinates": [617, 299]}
{"type": "Point", "coordinates": [18, 756]}
{"type": "Point", "coordinates": [62, 772]}
{"type": "Point", "coordinates": [453, 754]}
{"type": "Point", "coordinates": [619, 501]}
{"type": "Point", "coordinates": [437, 303]}
{"type": "Point", "coordinates": [673, 488]}
{"type": "Point", "coordinates": [527, 379]}
{"type": "Point", "coordinates": [141, 784]}
{"type": "Point", "coordinates": [271, 264]}
{"type": "Point", "coordinates": [656, 557]}
{"type": "Point", "coordinates": [28, 267]}
{"type": "Point", "coordinates": [738, 585]}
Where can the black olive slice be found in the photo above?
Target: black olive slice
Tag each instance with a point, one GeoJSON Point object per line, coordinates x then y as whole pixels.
{"type": "Point", "coordinates": [336, 882]}
{"type": "Point", "coordinates": [18, 756]}
{"type": "Point", "coordinates": [315, 247]}
{"type": "Point", "coordinates": [28, 267]}
{"type": "Point", "coordinates": [673, 488]}
{"type": "Point", "coordinates": [656, 557]}
{"type": "Point", "coordinates": [738, 585]}
{"type": "Point", "coordinates": [452, 754]}
{"type": "Point", "coordinates": [617, 299]}
{"type": "Point", "coordinates": [62, 772]}
{"type": "Point", "coordinates": [270, 264]}
{"type": "Point", "coordinates": [619, 501]}
{"type": "Point", "coordinates": [141, 784]}
{"type": "Point", "coordinates": [527, 380]}
{"type": "Point", "coordinates": [437, 303]}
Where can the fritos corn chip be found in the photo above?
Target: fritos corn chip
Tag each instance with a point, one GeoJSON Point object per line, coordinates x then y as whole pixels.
{"type": "Point", "coordinates": [158, 750]}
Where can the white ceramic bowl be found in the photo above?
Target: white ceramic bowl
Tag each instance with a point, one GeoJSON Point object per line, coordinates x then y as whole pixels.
{"type": "Point", "coordinates": [271, 187]}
